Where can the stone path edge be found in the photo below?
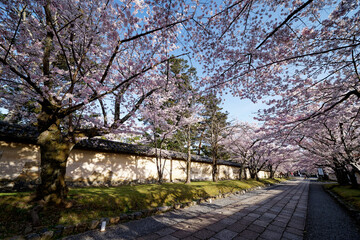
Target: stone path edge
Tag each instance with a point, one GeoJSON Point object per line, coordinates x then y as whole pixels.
{"type": "Point", "coordinates": [354, 213]}
{"type": "Point", "coordinates": [63, 231]}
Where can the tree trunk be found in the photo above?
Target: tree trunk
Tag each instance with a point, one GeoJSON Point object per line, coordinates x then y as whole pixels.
{"type": "Point", "coordinates": [253, 174]}
{"type": "Point", "coordinates": [188, 168]}
{"type": "Point", "coordinates": [159, 168]}
{"type": "Point", "coordinates": [341, 176]}
{"type": "Point", "coordinates": [245, 174]}
{"type": "Point", "coordinates": [188, 159]}
{"type": "Point", "coordinates": [353, 180]}
{"type": "Point", "coordinates": [54, 150]}
{"type": "Point", "coordinates": [241, 171]}
{"type": "Point", "coordinates": [214, 170]}
{"type": "Point", "coordinates": [272, 171]}
{"type": "Point", "coordinates": [171, 170]}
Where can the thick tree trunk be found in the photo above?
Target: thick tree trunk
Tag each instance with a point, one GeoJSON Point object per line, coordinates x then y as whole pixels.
{"type": "Point", "coordinates": [253, 174]}
{"type": "Point", "coordinates": [214, 173]}
{"type": "Point", "coordinates": [55, 150]}
{"type": "Point", "coordinates": [245, 174]}
{"type": "Point", "coordinates": [341, 175]}
{"type": "Point", "coordinates": [353, 180]}
{"type": "Point", "coordinates": [272, 171]}
{"type": "Point", "coordinates": [241, 171]}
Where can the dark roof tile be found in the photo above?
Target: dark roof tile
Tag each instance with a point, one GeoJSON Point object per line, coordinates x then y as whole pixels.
{"type": "Point", "coordinates": [29, 134]}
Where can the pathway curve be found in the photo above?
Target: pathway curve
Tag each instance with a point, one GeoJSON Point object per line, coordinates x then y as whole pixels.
{"type": "Point", "coordinates": [326, 219]}
{"type": "Point", "coordinates": [277, 212]}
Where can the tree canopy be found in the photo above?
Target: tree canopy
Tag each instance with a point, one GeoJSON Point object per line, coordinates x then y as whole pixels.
{"type": "Point", "coordinates": [84, 68]}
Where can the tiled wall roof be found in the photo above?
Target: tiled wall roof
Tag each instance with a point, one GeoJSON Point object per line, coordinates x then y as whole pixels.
{"type": "Point", "coordinates": [29, 134]}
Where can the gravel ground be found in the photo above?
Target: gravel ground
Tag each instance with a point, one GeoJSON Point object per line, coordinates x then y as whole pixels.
{"type": "Point", "coordinates": [326, 219]}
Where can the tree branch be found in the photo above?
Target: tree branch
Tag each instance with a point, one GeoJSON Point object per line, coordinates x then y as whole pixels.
{"type": "Point", "coordinates": [284, 22]}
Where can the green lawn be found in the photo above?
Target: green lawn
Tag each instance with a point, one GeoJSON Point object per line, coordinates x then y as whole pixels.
{"type": "Point", "coordinates": [347, 193]}
{"type": "Point", "coordinates": [93, 203]}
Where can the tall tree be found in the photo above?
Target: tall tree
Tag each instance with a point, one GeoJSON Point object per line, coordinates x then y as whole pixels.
{"type": "Point", "coordinates": [240, 144]}
{"type": "Point", "coordinates": [78, 60]}
{"type": "Point", "coordinates": [334, 144]}
{"type": "Point", "coordinates": [303, 55]}
{"type": "Point", "coordinates": [171, 112]}
{"type": "Point", "coordinates": [215, 129]}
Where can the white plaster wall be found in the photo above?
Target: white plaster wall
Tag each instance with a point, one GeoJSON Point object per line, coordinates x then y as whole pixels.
{"type": "Point", "coordinates": [13, 157]}
{"type": "Point", "coordinates": [88, 165]}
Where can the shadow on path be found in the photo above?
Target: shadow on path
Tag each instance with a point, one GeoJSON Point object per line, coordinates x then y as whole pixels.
{"type": "Point", "coordinates": [326, 219]}
{"type": "Point", "coordinates": [272, 213]}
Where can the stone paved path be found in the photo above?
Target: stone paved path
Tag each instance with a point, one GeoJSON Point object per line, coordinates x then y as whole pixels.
{"type": "Point", "coordinates": [278, 212]}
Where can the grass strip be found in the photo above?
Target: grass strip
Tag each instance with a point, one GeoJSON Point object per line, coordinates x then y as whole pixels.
{"type": "Point", "coordinates": [347, 193]}
{"type": "Point", "coordinates": [97, 202]}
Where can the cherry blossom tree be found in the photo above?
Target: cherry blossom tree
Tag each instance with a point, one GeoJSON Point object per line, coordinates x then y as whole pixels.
{"type": "Point", "coordinates": [334, 144]}
{"type": "Point", "coordinates": [240, 143]}
{"type": "Point", "coordinates": [166, 114]}
{"type": "Point", "coordinates": [77, 62]}
{"type": "Point", "coordinates": [304, 51]}
{"type": "Point", "coordinates": [86, 67]}
{"type": "Point", "coordinates": [302, 55]}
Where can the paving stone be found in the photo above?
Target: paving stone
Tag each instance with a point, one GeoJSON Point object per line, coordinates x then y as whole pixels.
{"type": "Point", "coordinates": [280, 224]}
{"type": "Point", "coordinates": [292, 236]}
{"type": "Point", "coordinates": [248, 234]}
{"type": "Point", "coordinates": [228, 221]}
{"type": "Point", "coordinates": [273, 212]}
{"type": "Point", "coordinates": [217, 227]}
{"type": "Point", "coordinates": [297, 218]}
{"type": "Point", "coordinates": [283, 219]}
{"type": "Point", "coordinates": [204, 234]}
{"type": "Point", "coordinates": [265, 219]}
{"type": "Point", "coordinates": [267, 234]}
{"type": "Point", "coordinates": [294, 231]}
{"type": "Point", "coordinates": [297, 224]}
{"type": "Point", "coordinates": [275, 228]}
{"type": "Point", "coordinates": [270, 215]}
{"type": "Point", "coordinates": [168, 237]}
{"type": "Point", "coordinates": [225, 234]}
{"type": "Point", "coordinates": [261, 223]}
{"type": "Point", "coordinates": [256, 228]}
{"type": "Point", "coordinates": [237, 227]}
{"type": "Point", "coordinates": [181, 234]}
{"type": "Point", "coordinates": [238, 215]}
{"type": "Point", "coordinates": [184, 226]}
{"type": "Point", "coordinates": [152, 236]}
{"type": "Point", "coordinates": [255, 215]}
{"type": "Point", "coordinates": [249, 218]}
{"type": "Point", "coordinates": [190, 238]}
{"type": "Point", "coordinates": [165, 231]}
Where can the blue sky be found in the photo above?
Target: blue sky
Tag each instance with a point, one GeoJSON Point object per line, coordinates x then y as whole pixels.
{"type": "Point", "coordinates": [241, 109]}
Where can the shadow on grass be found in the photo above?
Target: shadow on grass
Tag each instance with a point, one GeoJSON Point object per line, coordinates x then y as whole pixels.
{"type": "Point", "coordinates": [96, 203]}
{"type": "Point", "coordinates": [214, 218]}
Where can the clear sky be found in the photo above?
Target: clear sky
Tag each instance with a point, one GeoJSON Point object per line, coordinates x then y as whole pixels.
{"type": "Point", "coordinates": [241, 109]}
